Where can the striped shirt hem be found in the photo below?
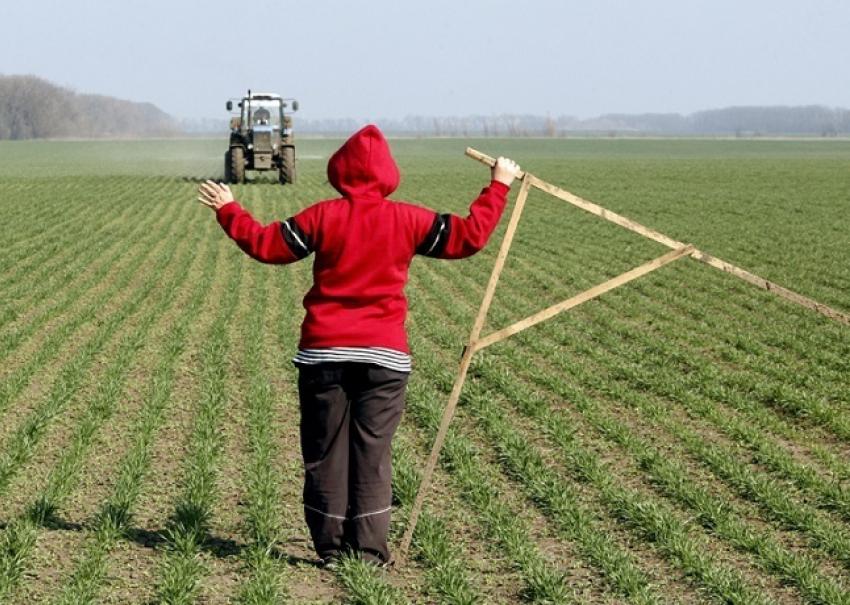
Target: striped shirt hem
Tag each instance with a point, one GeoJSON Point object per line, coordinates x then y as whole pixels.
{"type": "Point", "coordinates": [372, 514]}
{"type": "Point", "coordinates": [380, 356]}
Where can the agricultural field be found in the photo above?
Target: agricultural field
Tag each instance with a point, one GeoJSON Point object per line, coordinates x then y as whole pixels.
{"type": "Point", "coordinates": [682, 439]}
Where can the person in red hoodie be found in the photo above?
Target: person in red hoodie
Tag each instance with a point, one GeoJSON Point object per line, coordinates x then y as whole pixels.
{"type": "Point", "coordinates": [353, 356]}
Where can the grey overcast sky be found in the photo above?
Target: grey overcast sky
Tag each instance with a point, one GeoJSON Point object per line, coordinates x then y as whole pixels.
{"type": "Point", "coordinates": [372, 59]}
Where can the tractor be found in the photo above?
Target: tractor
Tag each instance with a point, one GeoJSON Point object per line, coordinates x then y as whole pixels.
{"type": "Point", "coordinates": [260, 137]}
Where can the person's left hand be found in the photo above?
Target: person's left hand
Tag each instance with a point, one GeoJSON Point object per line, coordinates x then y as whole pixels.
{"type": "Point", "coordinates": [505, 171]}
{"type": "Point", "coordinates": [215, 195]}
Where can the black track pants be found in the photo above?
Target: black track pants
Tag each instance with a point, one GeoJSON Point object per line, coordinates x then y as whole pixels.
{"type": "Point", "coordinates": [349, 414]}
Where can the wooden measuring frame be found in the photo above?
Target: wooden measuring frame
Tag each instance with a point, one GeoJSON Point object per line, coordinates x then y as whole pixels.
{"type": "Point", "coordinates": [476, 344]}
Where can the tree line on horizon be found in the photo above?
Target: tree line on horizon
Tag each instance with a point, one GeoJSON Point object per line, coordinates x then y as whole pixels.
{"type": "Point", "coordinates": [753, 121]}
{"type": "Point", "coordinates": [32, 108]}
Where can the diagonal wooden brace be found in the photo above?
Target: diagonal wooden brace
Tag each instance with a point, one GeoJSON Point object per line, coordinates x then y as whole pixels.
{"type": "Point", "coordinates": [584, 297]}
{"type": "Point", "coordinates": [613, 217]}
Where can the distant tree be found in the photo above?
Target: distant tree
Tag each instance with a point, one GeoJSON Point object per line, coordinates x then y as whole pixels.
{"type": "Point", "coordinates": [31, 108]}
{"type": "Point", "coordinates": [550, 129]}
{"type": "Point", "coordinates": [512, 126]}
{"type": "Point", "coordinates": [808, 119]}
{"type": "Point", "coordinates": [438, 128]}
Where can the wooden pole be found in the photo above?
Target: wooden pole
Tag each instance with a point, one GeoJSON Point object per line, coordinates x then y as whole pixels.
{"type": "Point", "coordinates": [486, 159]}
{"type": "Point", "coordinates": [465, 362]}
{"type": "Point", "coordinates": [760, 282]}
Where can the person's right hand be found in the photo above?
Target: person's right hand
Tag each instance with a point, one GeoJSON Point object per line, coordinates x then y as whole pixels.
{"type": "Point", "coordinates": [215, 195]}
{"type": "Point", "coordinates": [505, 171]}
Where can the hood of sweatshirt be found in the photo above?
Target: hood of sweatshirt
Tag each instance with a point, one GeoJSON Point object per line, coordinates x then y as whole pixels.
{"type": "Point", "coordinates": [364, 166]}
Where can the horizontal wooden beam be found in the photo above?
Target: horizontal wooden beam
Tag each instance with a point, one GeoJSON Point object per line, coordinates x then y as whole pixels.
{"type": "Point", "coordinates": [585, 205]}
{"type": "Point", "coordinates": [629, 224]}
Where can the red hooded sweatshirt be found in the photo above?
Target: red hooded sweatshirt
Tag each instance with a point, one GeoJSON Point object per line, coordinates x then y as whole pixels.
{"type": "Point", "coordinates": [364, 244]}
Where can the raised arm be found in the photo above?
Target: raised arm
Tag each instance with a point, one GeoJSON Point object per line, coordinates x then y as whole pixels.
{"type": "Point", "coordinates": [453, 237]}
{"type": "Point", "coordinates": [273, 243]}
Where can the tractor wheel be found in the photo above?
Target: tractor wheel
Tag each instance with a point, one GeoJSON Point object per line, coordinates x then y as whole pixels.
{"type": "Point", "coordinates": [237, 164]}
{"type": "Point", "coordinates": [287, 166]}
{"type": "Point", "coordinates": [228, 166]}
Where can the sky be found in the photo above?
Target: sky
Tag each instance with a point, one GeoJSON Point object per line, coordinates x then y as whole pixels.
{"type": "Point", "coordinates": [389, 59]}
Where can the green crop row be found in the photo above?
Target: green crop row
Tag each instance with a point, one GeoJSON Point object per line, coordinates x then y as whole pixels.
{"type": "Point", "coordinates": [113, 518]}
{"type": "Point", "coordinates": [265, 582]}
{"type": "Point", "coordinates": [187, 531]}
